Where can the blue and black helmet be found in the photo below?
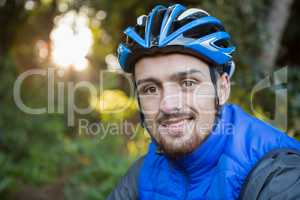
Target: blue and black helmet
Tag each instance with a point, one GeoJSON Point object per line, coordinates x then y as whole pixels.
{"type": "Point", "coordinates": [176, 29]}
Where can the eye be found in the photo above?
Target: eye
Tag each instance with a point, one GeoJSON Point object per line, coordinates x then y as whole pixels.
{"type": "Point", "coordinates": [150, 90]}
{"type": "Point", "coordinates": [187, 83]}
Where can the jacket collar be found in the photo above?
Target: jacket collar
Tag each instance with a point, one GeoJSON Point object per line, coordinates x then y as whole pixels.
{"type": "Point", "coordinates": [207, 154]}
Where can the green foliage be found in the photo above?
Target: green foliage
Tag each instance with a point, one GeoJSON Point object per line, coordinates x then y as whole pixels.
{"type": "Point", "coordinates": [30, 145]}
{"type": "Point", "coordinates": [41, 150]}
{"type": "Point", "coordinates": [98, 169]}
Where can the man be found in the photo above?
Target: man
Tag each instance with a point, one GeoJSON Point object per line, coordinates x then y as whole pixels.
{"type": "Point", "coordinates": [202, 147]}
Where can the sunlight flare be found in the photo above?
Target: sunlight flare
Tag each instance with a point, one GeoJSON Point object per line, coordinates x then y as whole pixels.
{"type": "Point", "coordinates": [71, 41]}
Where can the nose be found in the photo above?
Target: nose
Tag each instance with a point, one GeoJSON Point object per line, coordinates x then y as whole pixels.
{"type": "Point", "coordinates": [171, 100]}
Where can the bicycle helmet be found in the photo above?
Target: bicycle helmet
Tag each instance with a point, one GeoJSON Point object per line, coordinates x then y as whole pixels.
{"type": "Point", "coordinates": [176, 29]}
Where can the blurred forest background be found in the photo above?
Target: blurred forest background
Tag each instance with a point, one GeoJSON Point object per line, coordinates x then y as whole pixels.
{"type": "Point", "coordinates": [41, 157]}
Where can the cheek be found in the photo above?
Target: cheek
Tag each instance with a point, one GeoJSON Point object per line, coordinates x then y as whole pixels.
{"type": "Point", "coordinates": [150, 109]}
{"type": "Point", "coordinates": [150, 106]}
{"type": "Point", "coordinates": [202, 98]}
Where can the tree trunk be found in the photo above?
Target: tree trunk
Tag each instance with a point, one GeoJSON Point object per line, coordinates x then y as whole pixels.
{"type": "Point", "coordinates": [275, 26]}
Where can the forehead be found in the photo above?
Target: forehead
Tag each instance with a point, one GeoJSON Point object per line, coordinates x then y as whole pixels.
{"type": "Point", "coordinates": [164, 66]}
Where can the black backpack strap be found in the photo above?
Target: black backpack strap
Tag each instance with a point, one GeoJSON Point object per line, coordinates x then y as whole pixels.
{"type": "Point", "coordinates": [127, 188]}
{"type": "Point", "coordinates": [276, 176]}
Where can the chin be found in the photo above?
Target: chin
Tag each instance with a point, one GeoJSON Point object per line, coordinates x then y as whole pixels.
{"type": "Point", "coordinates": [180, 145]}
{"type": "Point", "coordinates": [179, 142]}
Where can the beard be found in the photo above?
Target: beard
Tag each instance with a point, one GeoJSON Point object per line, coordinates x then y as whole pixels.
{"type": "Point", "coordinates": [182, 143]}
{"type": "Point", "coordinates": [180, 133]}
{"type": "Point", "coordinates": [179, 146]}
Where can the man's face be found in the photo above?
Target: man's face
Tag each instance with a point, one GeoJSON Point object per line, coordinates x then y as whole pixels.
{"type": "Point", "coordinates": [177, 99]}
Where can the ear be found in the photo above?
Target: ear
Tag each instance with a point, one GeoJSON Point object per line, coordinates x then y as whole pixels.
{"type": "Point", "coordinates": [224, 88]}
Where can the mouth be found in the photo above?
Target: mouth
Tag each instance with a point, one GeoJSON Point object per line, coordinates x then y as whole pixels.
{"type": "Point", "coordinates": [175, 126]}
{"type": "Point", "coordinates": [175, 120]}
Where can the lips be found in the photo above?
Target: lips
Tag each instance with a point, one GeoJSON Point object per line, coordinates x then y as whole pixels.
{"type": "Point", "coordinates": [175, 126]}
{"type": "Point", "coordinates": [173, 121]}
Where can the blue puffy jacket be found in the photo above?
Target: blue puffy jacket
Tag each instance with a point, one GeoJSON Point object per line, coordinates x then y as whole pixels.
{"type": "Point", "coordinates": [217, 168]}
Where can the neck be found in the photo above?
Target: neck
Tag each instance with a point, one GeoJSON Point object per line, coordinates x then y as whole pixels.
{"type": "Point", "coordinates": [207, 154]}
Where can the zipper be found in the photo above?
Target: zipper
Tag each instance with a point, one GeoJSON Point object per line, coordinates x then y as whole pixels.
{"type": "Point", "coordinates": [186, 184]}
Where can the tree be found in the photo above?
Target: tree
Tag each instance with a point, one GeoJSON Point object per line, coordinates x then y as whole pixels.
{"type": "Point", "coordinates": [275, 24]}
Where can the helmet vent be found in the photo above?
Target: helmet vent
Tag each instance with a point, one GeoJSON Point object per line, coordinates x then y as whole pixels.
{"type": "Point", "coordinates": [223, 43]}
{"type": "Point", "coordinates": [201, 31]}
{"type": "Point", "coordinates": [156, 23]}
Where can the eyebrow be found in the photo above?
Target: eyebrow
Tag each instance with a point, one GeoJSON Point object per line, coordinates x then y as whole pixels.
{"type": "Point", "coordinates": [147, 80]}
{"type": "Point", "coordinates": [174, 76]}
{"type": "Point", "coordinates": [186, 73]}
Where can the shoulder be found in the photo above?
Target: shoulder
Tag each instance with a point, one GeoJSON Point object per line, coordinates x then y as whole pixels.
{"type": "Point", "coordinates": [128, 184]}
{"type": "Point", "coordinates": [255, 137]}
{"type": "Point", "coordinates": [276, 175]}
{"type": "Point", "coordinates": [254, 140]}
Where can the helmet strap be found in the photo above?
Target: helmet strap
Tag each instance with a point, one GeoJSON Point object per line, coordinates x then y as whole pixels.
{"type": "Point", "coordinates": [213, 75]}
